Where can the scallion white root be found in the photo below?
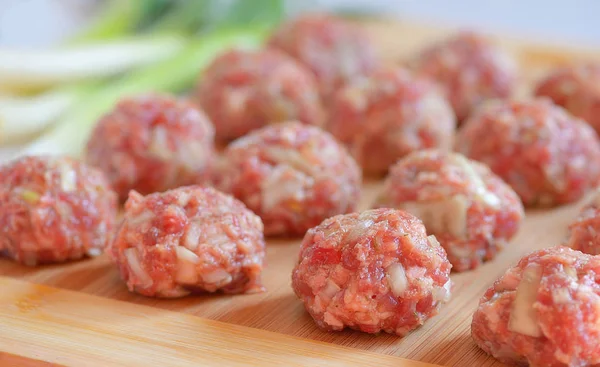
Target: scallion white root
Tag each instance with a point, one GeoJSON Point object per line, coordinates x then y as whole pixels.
{"type": "Point", "coordinates": [23, 117]}
{"type": "Point", "coordinates": [70, 135]}
{"type": "Point", "coordinates": [36, 69]}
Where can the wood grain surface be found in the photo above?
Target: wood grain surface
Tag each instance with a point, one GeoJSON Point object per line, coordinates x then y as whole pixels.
{"type": "Point", "coordinates": [75, 329]}
{"type": "Point", "coordinates": [445, 339]}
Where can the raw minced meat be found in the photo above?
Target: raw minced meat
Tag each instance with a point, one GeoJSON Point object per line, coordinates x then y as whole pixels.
{"type": "Point", "coordinates": [336, 51]}
{"type": "Point", "coordinates": [548, 156]}
{"type": "Point", "coordinates": [191, 239]}
{"type": "Point", "coordinates": [470, 68]}
{"type": "Point", "coordinates": [543, 312]}
{"type": "Point", "coordinates": [245, 90]}
{"type": "Point", "coordinates": [372, 271]}
{"type": "Point", "coordinates": [388, 115]}
{"type": "Point", "coordinates": [54, 209]}
{"type": "Point", "coordinates": [584, 232]}
{"type": "Point", "coordinates": [470, 210]}
{"type": "Point", "coordinates": [577, 89]}
{"type": "Point", "coordinates": [151, 143]}
{"type": "Point", "coordinates": [292, 175]}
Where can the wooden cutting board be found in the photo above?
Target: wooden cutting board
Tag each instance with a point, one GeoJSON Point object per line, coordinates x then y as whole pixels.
{"type": "Point", "coordinates": [81, 314]}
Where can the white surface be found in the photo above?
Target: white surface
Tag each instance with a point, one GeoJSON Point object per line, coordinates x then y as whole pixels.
{"type": "Point", "coordinates": [33, 23]}
{"type": "Point", "coordinates": [555, 20]}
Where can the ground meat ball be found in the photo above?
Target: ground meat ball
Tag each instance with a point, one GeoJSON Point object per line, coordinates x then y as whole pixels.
{"type": "Point", "coordinates": [152, 143]}
{"type": "Point", "coordinates": [548, 156]}
{"type": "Point", "coordinates": [191, 239]}
{"type": "Point", "coordinates": [374, 271]}
{"type": "Point", "coordinates": [292, 175]}
{"type": "Point", "coordinates": [470, 69]}
{"type": "Point", "coordinates": [577, 89]}
{"type": "Point", "coordinates": [584, 232]}
{"type": "Point", "coordinates": [336, 51]}
{"type": "Point", "coordinates": [245, 90]}
{"type": "Point", "coordinates": [470, 210]}
{"type": "Point", "coordinates": [543, 312]}
{"type": "Point", "coordinates": [386, 116]}
{"type": "Point", "coordinates": [54, 210]}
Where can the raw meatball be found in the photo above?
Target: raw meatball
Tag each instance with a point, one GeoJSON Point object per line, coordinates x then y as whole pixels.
{"type": "Point", "coordinates": [386, 116]}
{"type": "Point", "coordinates": [191, 239]}
{"type": "Point", "coordinates": [577, 89]}
{"type": "Point", "coordinates": [245, 90]}
{"type": "Point", "coordinates": [548, 156]}
{"type": "Point", "coordinates": [373, 271]}
{"type": "Point", "coordinates": [584, 232]}
{"type": "Point", "coordinates": [152, 143]}
{"type": "Point", "coordinates": [543, 312]}
{"type": "Point", "coordinates": [470, 69]}
{"type": "Point", "coordinates": [336, 51]}
{"type": "Point", "coordinates": [292, 175]}
{"type": "Point", "coordinates": [470, 210]}
{"type": "Point", "coordinates": [53, 210]}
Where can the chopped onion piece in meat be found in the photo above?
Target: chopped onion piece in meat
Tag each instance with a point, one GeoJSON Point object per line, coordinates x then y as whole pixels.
{"type": "Point", "coordinates": [94, 251]}
{"type": "Point", "coordinates": [571, 272]}
{"type": "Point", "coordinates": [159, 145]}
{"type": "Point", "coordinates": [190, 239]}
{"type": "Point", "coordinates": [358, 230]}
{"type": "Point", "coordinates": [523, 317]}
{"type": "Point", "coordinates": [397, 279]}
{"type": "Point", "coordinates": [283, 184]}
{"type": "Point", "coordinates": [186, 255]}
{"type": "Point", "coordinates": [442, 293]}
{"type": "Point", "coordinates": [184, 198]}
{"type": "Point", "coordinates": [143, 217]}
{"type": "Point", "coordinates": [561, 296]}
{"type": "Point", "coordinates": [30, 196]}
{"type": "Point", "coordinates": [481, 191]}
{"type": "Point", "coordinates": [135, 266]}
{"type": "Point", "coordinates": [433, 241]}
{"type": "Point", "coordinates": [330, 289]}
{"type": "Point", "coordinates": [291, 158]}
{"type": "Point", "coordinates": [449, 215]}
{"type": "Point", "coordinates": [186, 266]}
{"type": "Point", "coordinates": [68, 177]}
{"type": "Point", "coordinates": [218, 277]}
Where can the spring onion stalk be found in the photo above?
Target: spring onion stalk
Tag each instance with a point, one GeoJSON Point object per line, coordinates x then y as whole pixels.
{"type": "Point", "coordinates": [21, 118]}
{"type": "Point", "coordinates": [69, 135]}
{"type": "Point", "coordinates": [118, 17]}
{"type": "Point", "coordinates": [32, 69]}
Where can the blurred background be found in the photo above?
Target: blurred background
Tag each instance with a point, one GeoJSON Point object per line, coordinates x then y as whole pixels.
{"type": "Point", "coordinates": [63, 63]}
{"type": "Point", "coordinates": [42, 22]}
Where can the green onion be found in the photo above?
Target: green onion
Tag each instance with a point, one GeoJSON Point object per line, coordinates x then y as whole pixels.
{"type": "Point", "coordinates": [33, 69]}
{"type": "Point", "coordinates": [175, 74]}
{"type": "Point", "coordinates": [30, 196]}
{"type": "Point", "coordinates": [23, 117]}
{"type": "Point", "coordinates": [117, 18]}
